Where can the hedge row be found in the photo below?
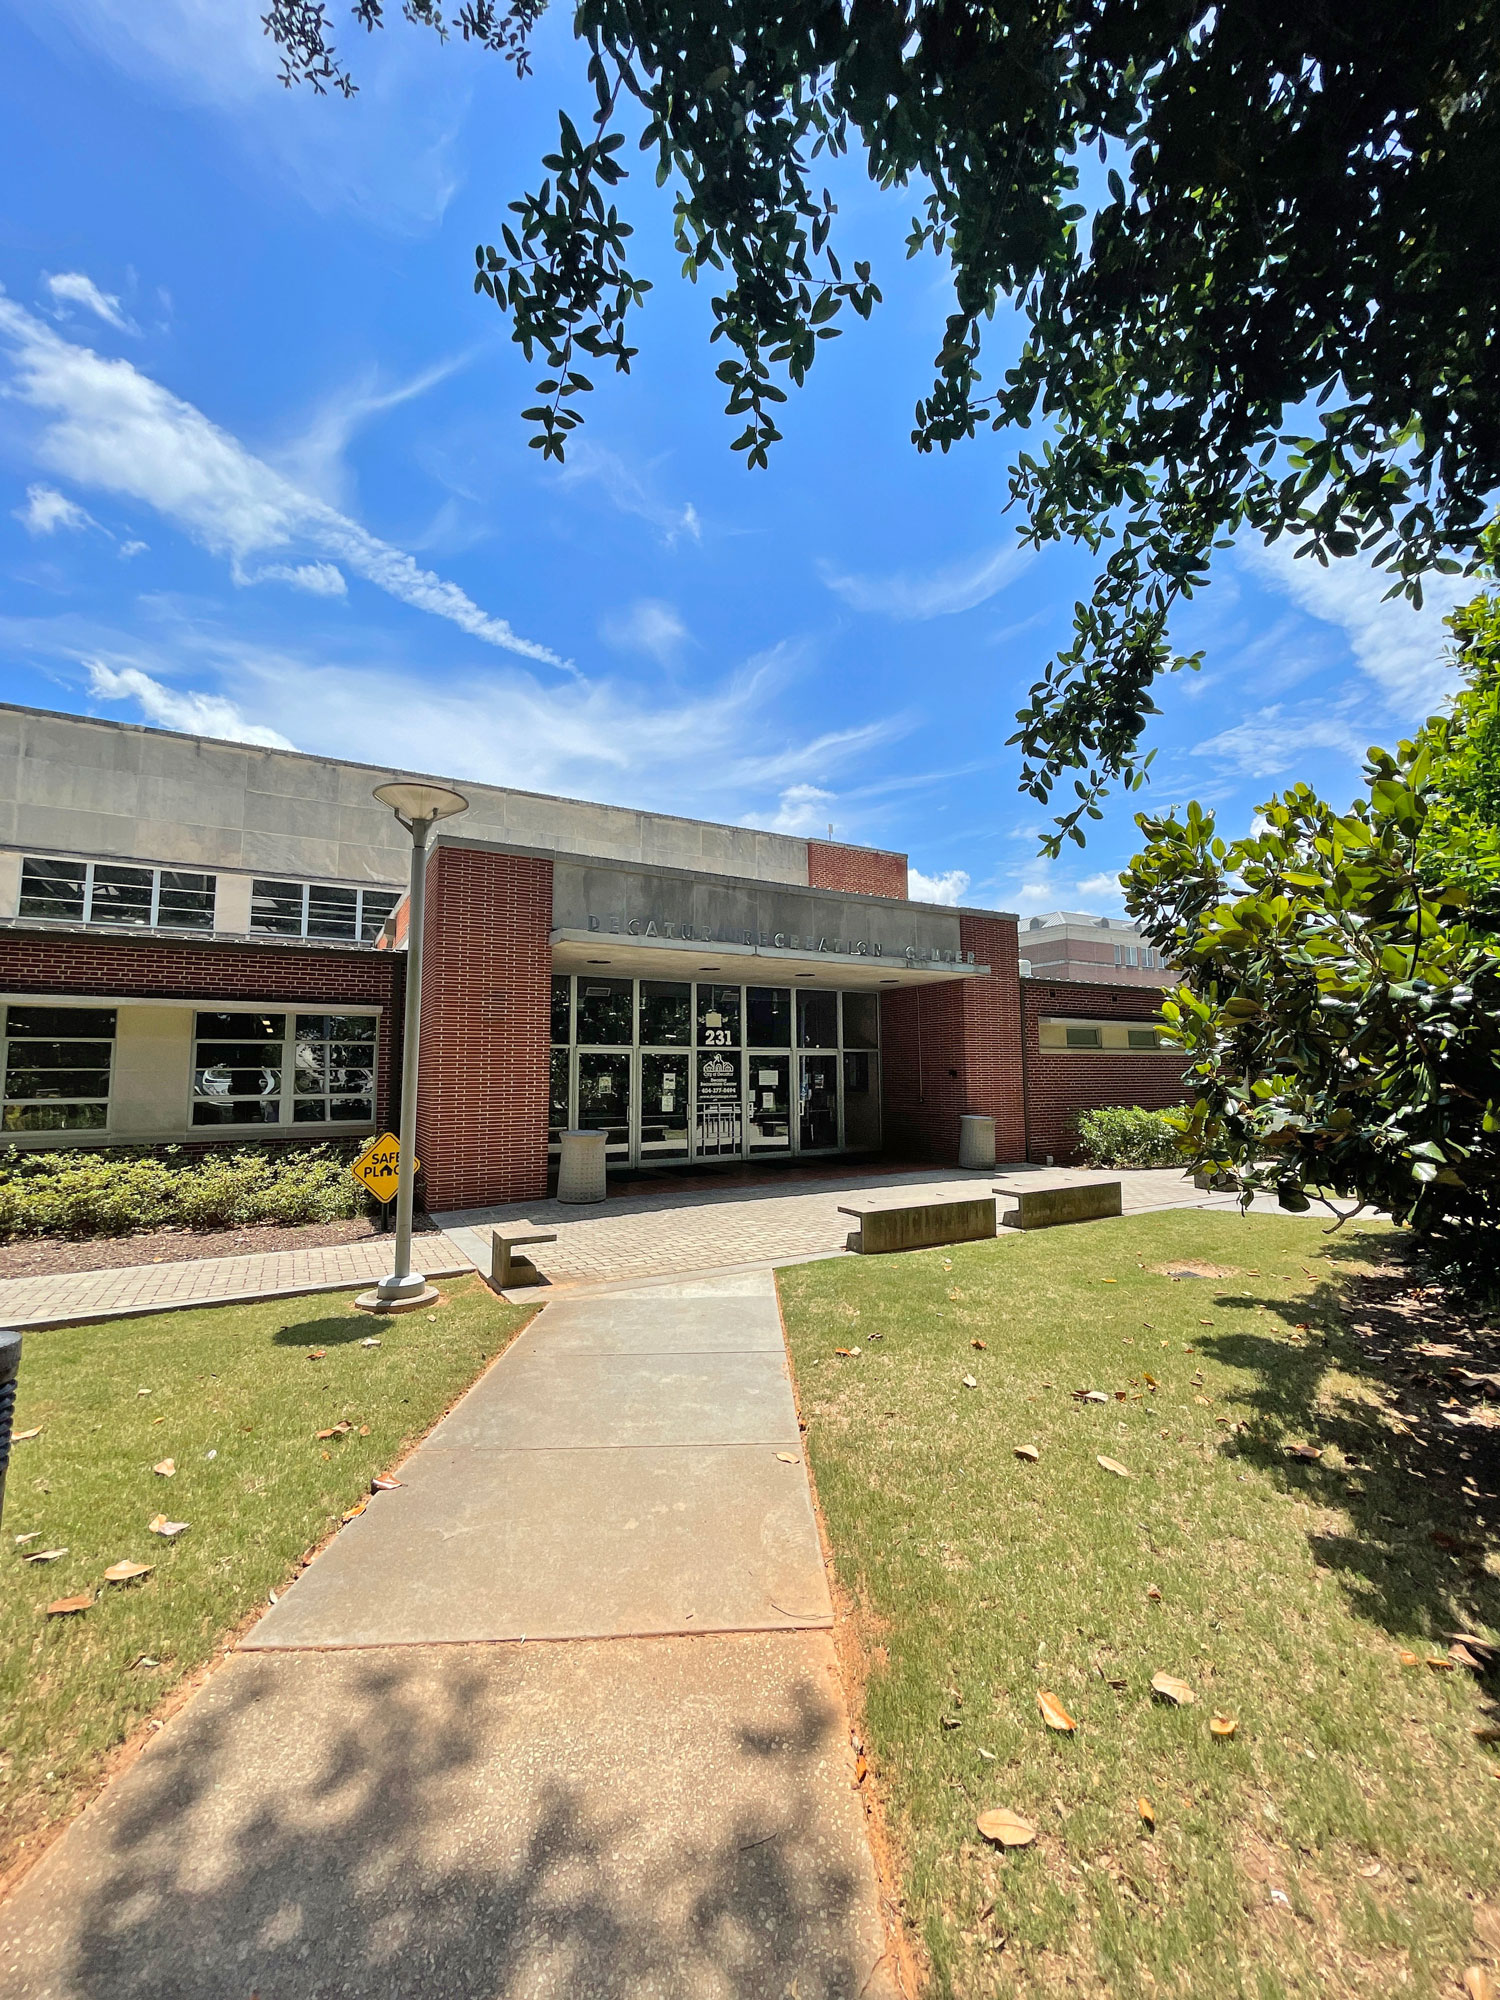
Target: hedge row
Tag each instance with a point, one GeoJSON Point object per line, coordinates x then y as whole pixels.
{"type": "Point", "coordinates": [1123, 1135]}
{"type": "Point", "coordinates": [119, 1193]}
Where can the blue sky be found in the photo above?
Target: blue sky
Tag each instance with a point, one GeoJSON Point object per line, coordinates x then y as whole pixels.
{"type": "Point", "coordinates": [262, 475]}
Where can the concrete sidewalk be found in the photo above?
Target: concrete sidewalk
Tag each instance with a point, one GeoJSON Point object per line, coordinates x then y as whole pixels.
{"type": "Point", "coordinates": [349, 1808]}
{"type": "Point", "coordinates": [73, 1298]}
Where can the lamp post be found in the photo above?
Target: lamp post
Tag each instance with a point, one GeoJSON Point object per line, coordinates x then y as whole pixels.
{"type": "Point", "coordinates": [418, 807]}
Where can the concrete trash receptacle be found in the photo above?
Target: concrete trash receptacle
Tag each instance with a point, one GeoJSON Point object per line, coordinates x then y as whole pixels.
{"type": "Point", "coordinates": [580, 1172]}
{"type": "Point", "coordinates": [976, 1141]}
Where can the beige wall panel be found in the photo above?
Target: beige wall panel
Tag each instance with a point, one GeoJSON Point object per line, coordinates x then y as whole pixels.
{"type": "Point", "coordinates": [151, 1091]}
{"type": "Point", "coordinates": [10, 883]}
{"type": "Point", "coordinates": [232, 904]}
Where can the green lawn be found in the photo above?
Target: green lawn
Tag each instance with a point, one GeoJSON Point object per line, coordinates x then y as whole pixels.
{"type": "Point", "coordinates": [232, 1397]}
{"type": "Point", "coordinates": [1346, 1839]}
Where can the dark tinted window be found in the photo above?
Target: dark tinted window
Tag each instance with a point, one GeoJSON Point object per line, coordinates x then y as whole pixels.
{"type": "Point", "coordinates": [276, 907]}
{"type": "Point", "coordinates": [53, 888]}
{"type": "Point", "coordinates": [768, 1017]}
{"type": "Point", "coordinates": [561, 999]}
{"type": "Point", "coordinates": [604, 1010]}
{"type": "Point", "coordinates": [861, 1021]}
{"type": "Point", "coordinates": [24, 1019]}
{"type": "Point", "coordinates": [666, 1013]}
{"type": "Point", "coordinates": [185, 902]}
{"type": "Point", "coordinates": [817, 1020]}
{"type": "Point", "coordinates": [243, 1027]}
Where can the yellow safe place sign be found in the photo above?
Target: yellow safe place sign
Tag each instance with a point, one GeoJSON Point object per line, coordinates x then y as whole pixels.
{"type": "Point", "coordinates": [378, 1166]}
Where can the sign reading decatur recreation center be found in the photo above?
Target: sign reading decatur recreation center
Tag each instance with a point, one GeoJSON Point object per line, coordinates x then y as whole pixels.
{"type": "Point", "coordinates": [379, 1166]}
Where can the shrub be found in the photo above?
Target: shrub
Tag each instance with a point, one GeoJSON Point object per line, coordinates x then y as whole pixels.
{"type": "Point", "coordinates": [1124, 1135]}
{"type": "Point", "coordinates": [119, 1193]}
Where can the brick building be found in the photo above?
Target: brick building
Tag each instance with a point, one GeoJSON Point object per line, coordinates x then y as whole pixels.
{"type": "Point", "coordinates": [203, 943]}
{"type": "Point", "coordinates": [1071, 944]}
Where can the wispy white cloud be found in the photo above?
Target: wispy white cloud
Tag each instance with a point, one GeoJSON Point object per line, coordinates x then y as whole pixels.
{"type": "Point", "coordinates": [75, 288]}
{"type": "Point", "coordinates": [801, 809]}
{"type": "Point", "coordinates": [1277, 739]}
{"type": "Point", "coordinates": [390, 155]}
{"type": "Point", "coordinates": [47, 510]}
{"type": "Point", "coordinates": [319, 579]}
{"type": "Point", "coordinates": [648, 626]}
{"type": "Point", "coordinates": [949, 886]}
{"type": "Point", "coordinates": [314, 459]}
{"type": "Point", "coordinates": [630, 491]}
{"type": "Point", "coordinates": [1103, 888]}
{"type": "Point", "coordinates": [938, 593]}
{"type": "Point", "coordinates": [108, 426]}
{"type": "Point", "coordinates": [1400, 649]}
{"type": "Point", "coordinates": [196, 714]}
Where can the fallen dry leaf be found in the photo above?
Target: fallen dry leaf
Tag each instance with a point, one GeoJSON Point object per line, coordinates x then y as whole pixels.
{"type": "Point", "coordinates": [981, 1345]}
{"type": "Point", "coordinates": [1441, 1666]}
{"type": "Point", "coordinates": [64, 1605]}
{"type": "Point", "coordinates": [846, 1350]}
{"type": "Point", "coordinates": [1089, 1396]}
{"type": "Point", "coordinates": [337, 1430]}
{"type": "Point", "coordinates": [970, 1383]}
{"type": "Point", "coordinates": [160, 1525]}
{"type": "Point", "coordinates": [1222, 1725]}
{"type": "Point", "coordinates": [1171, 1689]}
{"type": "Point", "coordinates": [22, 1437]}
{"type": "Point", "coordinates": [1487, 1732]}
{"type": "Point", "coordinates": [44, 1555]}
{"type": "Point", "coordinates": [788, 1458]}
{"type": "Point", "coordinates": [364, 1430]}
{"type": "Point", "coordinates": [369, 1341]}
{"type": "Point", "coordinates": [1029, 1452]}
{"type": "Point", "coordinates": [1148, 1814]}
{"type": "Point", "coordinates": [1006, 1829]}
{"type": "Point", "coordinates": [861, 1769]}
{"type": "Point", "coordinates": [358, 1508]}
{"type": "Point", "coordinates": [384, 1485]}
{"type": "Point", "coordinates": [22, 1540]}
{"type": "Point", "coordinates": [1153, 1591]}
{"type": "Point", "coordinates": [167, 1468]}
{"type": "Point", "coordinates": [126, 1571]}
{"type": "Point", "coordinates": [1478, 1984]}
{"type": "Point", "coordinates": [1370, 1870]}
{"type": "Point", "coordinates": [1113, 1465]}
{"type": "Point", "coordinates": [1054, 1714]}
{"type": "Point", "coordinates": [1408, 1658]}
{"type": "Point", "coordinates": [1307, 1451]}
{"type": "Point", "coordinates": [318, 1354]}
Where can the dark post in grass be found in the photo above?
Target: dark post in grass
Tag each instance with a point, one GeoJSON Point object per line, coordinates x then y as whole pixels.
{"type": "Point", "coordinates": [10, 1368]}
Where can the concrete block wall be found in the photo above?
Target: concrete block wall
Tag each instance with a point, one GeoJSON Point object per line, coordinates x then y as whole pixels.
{"type": "Point", "coordinates": [216, 974]}
{"type": "Point", "coordinates": [955, 1047]}
{"type": "Point", "coordinates": [1062, 1082]}
{"type": "Point", "coordinates": [858, 871]}
{"type": "Point", "coordinates": [486, 1021]}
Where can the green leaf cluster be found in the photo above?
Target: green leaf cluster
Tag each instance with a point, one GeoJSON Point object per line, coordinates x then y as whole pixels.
{"type": "Point", "coordinates": [1340, 982]}
{"type": "Point", "coordinates": [1251, 251]}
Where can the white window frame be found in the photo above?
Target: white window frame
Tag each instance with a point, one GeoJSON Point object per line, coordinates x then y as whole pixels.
{"type": "Point", "coordinates": [358, 890]}
{"type": "Point", "coordinates": [65, 1004]}
{"type": "Point", "coordinates": [154, 869]}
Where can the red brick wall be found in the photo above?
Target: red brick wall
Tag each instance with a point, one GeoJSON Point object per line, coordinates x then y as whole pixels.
{"type": "Point", "coordinates": [1060, 1083]}
{"type": "Point", "coordinates": [955, 1046]}
{"type": "Point", "coordinates": [215, 973]}
{"type": "Point", "coordinates": [859, 871]}
{"type": "Point", "coordinates": [486, 1020]}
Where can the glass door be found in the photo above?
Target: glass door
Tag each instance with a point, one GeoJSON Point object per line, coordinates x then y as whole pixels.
{"type": "Point", "coordinates": [770, 1103]}
{"type": "Point", "coordinates": [719, 1129]}
{"type": "Point", "coordinates": [663, 1101]}
{"type": "Point", "coordinates": [817, 1104]}
{"type": "Point", "coordinates": [604, 1097]}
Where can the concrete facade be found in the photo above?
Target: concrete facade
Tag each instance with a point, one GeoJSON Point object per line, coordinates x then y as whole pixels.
{"type": "Point", "coordinates": [173, 970]}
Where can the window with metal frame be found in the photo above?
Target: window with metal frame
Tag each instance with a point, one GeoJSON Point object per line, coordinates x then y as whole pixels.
{"type": "Point", "coordinates": [57, 1064]}
{"type": "Point", "coordinates": [283, 1069]}
{"type": "Point", "coordinates": [319, 910]}
{"type": "Point", "coordinates": [116, 892]}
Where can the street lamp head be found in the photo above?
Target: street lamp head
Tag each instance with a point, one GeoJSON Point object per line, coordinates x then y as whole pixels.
{"type": "Point", "coordinates": [410, 800]}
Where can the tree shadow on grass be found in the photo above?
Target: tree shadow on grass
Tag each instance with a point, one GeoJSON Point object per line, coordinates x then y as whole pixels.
{"type": "Point", "coordinates": [1422, 1501]}
{"type": "Point", "coordinates": [342, 1331]}
{"type": "Point", "coordinates": [421, 1827]}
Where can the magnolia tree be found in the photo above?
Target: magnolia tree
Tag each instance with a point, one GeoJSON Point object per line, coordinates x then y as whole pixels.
{"type": "Point", "coordinates": [1340, 995]}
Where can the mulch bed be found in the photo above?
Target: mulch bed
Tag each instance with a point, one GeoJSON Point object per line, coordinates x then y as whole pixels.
{"type": "Point", "coordinates": [36, 1256]}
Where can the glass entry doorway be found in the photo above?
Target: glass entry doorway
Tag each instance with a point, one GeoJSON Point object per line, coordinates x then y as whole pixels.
{"type": "Point", "coordinates": [680, 1070]}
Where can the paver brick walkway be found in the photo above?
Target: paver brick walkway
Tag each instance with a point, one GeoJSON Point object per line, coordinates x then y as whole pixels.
{"type": "Point", "coordinates": [694, 1228]}
{"type": "Point", "coordinates": [69, 1297]}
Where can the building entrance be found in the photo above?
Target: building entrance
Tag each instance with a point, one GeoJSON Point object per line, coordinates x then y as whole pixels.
{"type": "Point", "coordinates": [682, 1070]}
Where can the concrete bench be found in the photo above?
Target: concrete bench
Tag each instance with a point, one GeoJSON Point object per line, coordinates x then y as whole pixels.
{"type": "Point", "coordinates": [506, 1268]}
{"type": "Point", "coordinates": [1045, 1208]}
{"type": "Point", "coordinates": [923, 1225]}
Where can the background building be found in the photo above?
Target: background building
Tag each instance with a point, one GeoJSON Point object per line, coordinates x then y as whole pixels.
{"type": "Point", "coordinates": [200, 944]}
{"type": "Point", "coordinates": [1070, 944]}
